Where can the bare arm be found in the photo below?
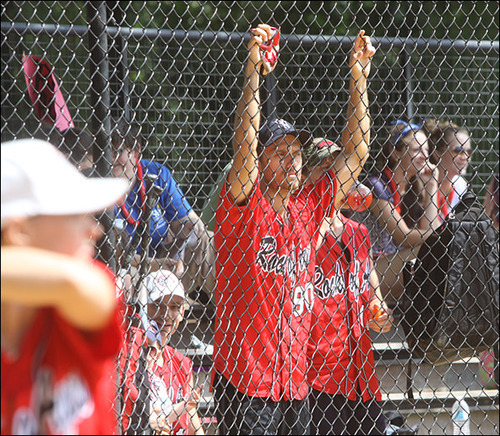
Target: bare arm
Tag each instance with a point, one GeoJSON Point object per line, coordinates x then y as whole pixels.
{"type": "Point", "coordinates": [194, 426]}
{"type": "Point", "coordinates": [244, 171]}
{"type": "Point", "coordinates": [356, 135]}
{"type": "Point", "coordinates": [382, 315]}
{"type": "Point", "coordinates": [81, 292]}
{"type": "Point", "coordinates": [400, 232]}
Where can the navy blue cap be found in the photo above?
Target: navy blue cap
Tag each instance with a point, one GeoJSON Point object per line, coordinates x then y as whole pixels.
{"type": "Point", "coordinates": [276, 128]}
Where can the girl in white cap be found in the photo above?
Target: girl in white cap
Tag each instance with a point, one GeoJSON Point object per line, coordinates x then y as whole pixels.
{"type": "Point", "coordinates": [173, 401]}
{"type": "Point", "coordinates": [61, 328]}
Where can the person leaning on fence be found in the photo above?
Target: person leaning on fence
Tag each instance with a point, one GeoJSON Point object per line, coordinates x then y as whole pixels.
{"type": "Point", "coordinates": [266, 224]}
{"type": "Point", "coordinates": [61, 325]}
{"type": "Point", "coordinates": [176, 230]}
{"type": "Point", "coordinates": [403, 212]}
{"type": "Point", "coordinates": [173, 401]}
{"type": "Point", "coordinates": [345, 395]}
{"type": "Point", "coordinates": [450, 150]}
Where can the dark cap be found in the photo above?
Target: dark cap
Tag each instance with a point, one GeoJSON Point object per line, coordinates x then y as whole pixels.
{"type": "Point", "coordinates": [274, 129]}
{"type": "Point", "coordinates": [319, 150]}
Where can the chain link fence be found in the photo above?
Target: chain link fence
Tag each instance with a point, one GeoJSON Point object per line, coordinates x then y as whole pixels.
{"type": "Point", "coordinates": [159, 83]}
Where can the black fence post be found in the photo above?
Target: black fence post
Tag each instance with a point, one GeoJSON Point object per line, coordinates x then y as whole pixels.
{"type": "Point", "coordinates": [100, 118]}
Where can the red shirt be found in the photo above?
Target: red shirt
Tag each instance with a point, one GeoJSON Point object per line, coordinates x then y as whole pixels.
{"type": "Point", "coordinates": [63, 380]}
{"type": "Point", "coordinates": [264, 290]}
{"type": "Point", "coordinates": [328, 347]}
{"type": "Point", "coordinates": [339, 360]}
{"type": "Point", "coordinates": [176, 373]}
{"type": "Point", "coordinates": [363, 370]}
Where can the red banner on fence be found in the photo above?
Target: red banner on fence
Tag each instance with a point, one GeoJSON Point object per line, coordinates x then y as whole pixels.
{"type": "Point", "coordinates": [45, 94]}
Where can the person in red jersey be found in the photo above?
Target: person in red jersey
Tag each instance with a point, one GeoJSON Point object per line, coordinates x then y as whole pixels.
{"type": "Point", "coordinates": [345, 390]}
{"type": "Point", "coordinates": [173, 401]}
{"type": "Point", "coordinates": [266, 227]}
{"type": "Point", "coordinates": [61, 325]}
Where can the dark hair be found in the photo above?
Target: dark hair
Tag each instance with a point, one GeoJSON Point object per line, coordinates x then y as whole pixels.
{"type": "Point", "coordinates": [399, 131]}
{"type": "Point", "coordinates": [441, 134]}
{"type": "Point", "coordinates": [126, 135]}
{"type": "Point", "coordinates": [75, 142]}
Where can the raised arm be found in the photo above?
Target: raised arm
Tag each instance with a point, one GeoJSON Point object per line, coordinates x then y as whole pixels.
{"type": "Point", "coordinates": [244, 172]}
{"type": "Point", "coordinates": [356, 135]}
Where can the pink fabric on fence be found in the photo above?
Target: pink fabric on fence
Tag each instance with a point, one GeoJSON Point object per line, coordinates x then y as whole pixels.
{"type": "Point", "coordinates": [45, 94]}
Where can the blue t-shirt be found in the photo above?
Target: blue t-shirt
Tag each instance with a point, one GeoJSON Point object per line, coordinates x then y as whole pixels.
{"type": "Point", "coordinates": [171, 205]}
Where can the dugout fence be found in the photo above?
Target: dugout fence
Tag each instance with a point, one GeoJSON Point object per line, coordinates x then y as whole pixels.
{"type": "Point", "coordinates": [174, 68]}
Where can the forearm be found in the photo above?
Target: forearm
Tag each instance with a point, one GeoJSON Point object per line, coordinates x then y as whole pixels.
{"type": "Point", "coordinates": [356, 135]}
{"type": "Point", "coordinates": [80, 291]}
{"type": "Point", "coordinates": [195, 427]}
{"type": "Point", "coordinates": [430, 221]}
{"type": "Point", "coordinates": [243, 173]}
{"type": "Point", "coordinates": [247, 120]}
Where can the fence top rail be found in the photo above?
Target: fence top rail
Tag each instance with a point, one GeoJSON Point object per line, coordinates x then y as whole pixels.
{"type": "Point", "coordinates": [236, 37]}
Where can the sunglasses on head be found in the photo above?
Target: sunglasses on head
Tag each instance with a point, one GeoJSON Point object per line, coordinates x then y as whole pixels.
{"type": "Point", "coordinates": [408, 127]}
{"type": "Point", "coordinates": [458, 149]}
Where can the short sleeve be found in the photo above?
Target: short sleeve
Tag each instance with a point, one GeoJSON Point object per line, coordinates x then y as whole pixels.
{"type": "Point", "coordinates": [172, 200]}
{"type": "Point", "coordinates": [460, 186]}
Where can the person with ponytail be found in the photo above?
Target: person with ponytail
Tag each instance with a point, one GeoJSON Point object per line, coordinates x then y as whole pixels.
{"type": "Point", "coordinates": [403, 212]}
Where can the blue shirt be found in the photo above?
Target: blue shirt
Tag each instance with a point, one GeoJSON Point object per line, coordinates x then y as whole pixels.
{"type": "Point", "coordinates": [171, 205]}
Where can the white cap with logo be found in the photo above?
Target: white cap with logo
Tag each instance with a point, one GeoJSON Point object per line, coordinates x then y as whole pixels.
{"type": "Point", "coordinates": [37, 179]}
{"type": "Point", "coordinates": [163, 283]}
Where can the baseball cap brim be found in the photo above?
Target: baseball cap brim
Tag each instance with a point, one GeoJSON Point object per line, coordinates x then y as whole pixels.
{"type": "Point", "coordinates": [37, 179]}
{"type": "Point", "coordinates": [319, 150]}
{"type": "Point", "coordinates": [275, 129]}
{"type": "Point", "coordinates": [303, 136]}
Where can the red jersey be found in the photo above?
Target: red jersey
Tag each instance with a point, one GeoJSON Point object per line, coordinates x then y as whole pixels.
{"type": "Point", "coordinates": [63, 380]}
{"type": "Point", "coordinates": [169, 383]}
{"type": "Point", "coordinates": [264, 290]}
{"type": "Point", "coordinates": [328, 347]}
{"type": "Point", "coordinates": [339, 360]}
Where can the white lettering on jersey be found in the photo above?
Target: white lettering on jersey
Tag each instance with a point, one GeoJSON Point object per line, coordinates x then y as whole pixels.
{"type": "Point", "coordinates": [358, 283]}
{"type": "Point", "coordinates": [327, 287]}
{"type": "Point", "coordinates": [303, 299]}
{"type": "Point", "coordinates": [24, 421]}
{"type": "Point", "coordinates": [72, 403]}
{"type": "Point", "coordinates": [63, 405]}
{"type": "Point", "coordinates": [286, 266]}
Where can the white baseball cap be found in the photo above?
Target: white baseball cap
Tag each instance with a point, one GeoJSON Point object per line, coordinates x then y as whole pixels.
{"type": "Point", "coordinates": [163, 283]}
{"type": "Point", "coordinates": [37, 179]}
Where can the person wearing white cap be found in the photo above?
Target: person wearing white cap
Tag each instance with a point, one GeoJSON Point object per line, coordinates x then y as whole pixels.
{"type": "Point", "coordinates": [61, 327]}
{"type": "Point", "coordinates": [173, 400]}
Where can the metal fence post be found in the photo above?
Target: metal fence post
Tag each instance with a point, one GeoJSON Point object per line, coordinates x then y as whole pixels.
{"type": "Point", "coordinates": [100, 118]}
{"type": "Point", "coordinates": [408, 86]}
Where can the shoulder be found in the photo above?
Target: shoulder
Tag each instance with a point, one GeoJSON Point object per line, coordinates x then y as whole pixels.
{"type": "Point", "coordinates": [152, 167]}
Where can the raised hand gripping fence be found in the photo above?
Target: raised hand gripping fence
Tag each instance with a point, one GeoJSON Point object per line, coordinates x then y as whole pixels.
{"type": "Point", "coordinates": [157, 84]}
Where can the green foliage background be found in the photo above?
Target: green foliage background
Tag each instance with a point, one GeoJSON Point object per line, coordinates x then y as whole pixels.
{"type": "Point", "coordinates": [183, 91]}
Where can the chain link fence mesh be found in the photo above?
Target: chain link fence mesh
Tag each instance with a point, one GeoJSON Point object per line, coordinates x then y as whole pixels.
{"type": "Point", "coordinates": [168, 74]}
